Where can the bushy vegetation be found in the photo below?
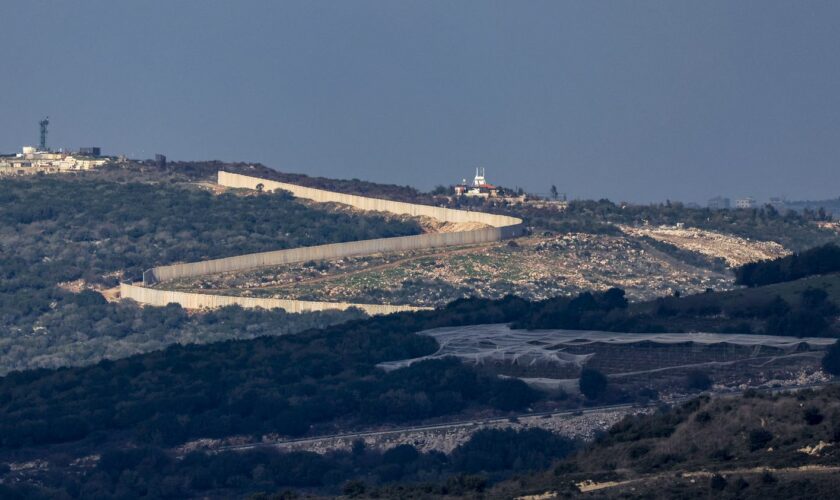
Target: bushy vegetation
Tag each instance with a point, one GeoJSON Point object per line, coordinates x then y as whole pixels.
{"type": "Point", "coordinates": [726, 436]}
{"type": "Point", "coordinates": [820, 260]}
{"type": "Point", "coordinates": [809, 313]}
{"type": "Point", "coordinates": [831, 360]}
{"type": "Point", "coordinates": [587, 311]}
{"type": "Point", "coordinates": [698, 380]}
{"type": "Point", "coordinates": [152, 472]}
{"type": "Point", "coordinates": [290, 385]}
{"type": "Point", "coordinates": [798, 309]}
{"type": "Point", "coordinates": [793, 230]}
{"type": "Point", "coordinates": [592, 383]}
{"type": "Point", "coordinates": [83, 329]}
{"type": "Point", "coordinates": [61, 229]}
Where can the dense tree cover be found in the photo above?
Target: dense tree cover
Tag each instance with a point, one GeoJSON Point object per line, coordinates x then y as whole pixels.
{"type": "Point", "coordinates": [819, 260]}
{"type": "Point", "coordinates": [152, 472]}
{"type": "Point", "coordinates": [289, 385]}
{"type": "Point", "coordinates": [726, 434]}
{"type": "Point", "coordinates": [812, 315]}
{"type": "Point", "coordinates": [98, 228]}
{"type": "Point", "coordinates": [587, 311]}
{"type": "Point", "coordinates": [831, 360]}
{"type": "Point", "coordinates": [819, 209]}
{"type": "Point", "coordinates": [792, 229]}
{"type": "Point", "coordinates": [62, 229]}
{"type": "Point", "coordinates": [592, 383]}
{"type": "Point", "coordinates": [83, 328]}
{"type": "Point", "coordinates": [493, 450]}
{"type": "Point", "coordinates": [304, 383]}
{"type": "Point", "coordinates": [698, 380]}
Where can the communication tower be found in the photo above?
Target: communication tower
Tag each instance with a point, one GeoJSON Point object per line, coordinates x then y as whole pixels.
{"type": "Point", "coordinates": [43, 144]}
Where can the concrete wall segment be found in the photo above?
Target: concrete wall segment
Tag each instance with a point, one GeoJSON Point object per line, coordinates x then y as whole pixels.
{"type": "Point", "coordinates": [501, 227]}
{"type": "Point", "coordinates": [188, 300]}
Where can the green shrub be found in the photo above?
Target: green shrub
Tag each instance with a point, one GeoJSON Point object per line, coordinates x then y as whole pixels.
{"type": "Point", "coordinates": [813, 416]}
{"type": "Point", "coordinates": [592, 383]}
{"type": "Point", "coordinates": [831, 359]}
{"type": "Point", "coordinates": [698, 380]}
{"type": "Point", "coordinates": [759, 438]}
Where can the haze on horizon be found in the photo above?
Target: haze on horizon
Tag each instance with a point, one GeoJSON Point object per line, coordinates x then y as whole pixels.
{"type": "Point", "coordinates": [637, 101]}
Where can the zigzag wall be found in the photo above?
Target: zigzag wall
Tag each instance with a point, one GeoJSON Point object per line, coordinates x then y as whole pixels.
{"type": "Point", "coordinates": [501, 227]}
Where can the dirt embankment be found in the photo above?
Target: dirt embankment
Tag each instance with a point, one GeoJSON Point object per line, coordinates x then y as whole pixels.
{"type": "Point", "coordinates": [430, 225]}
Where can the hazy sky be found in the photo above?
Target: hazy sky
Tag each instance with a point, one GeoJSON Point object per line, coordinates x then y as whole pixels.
{"type": "Point", "coordinates": [629, 100]}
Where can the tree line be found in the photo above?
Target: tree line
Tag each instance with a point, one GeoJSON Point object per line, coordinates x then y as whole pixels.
{"type": "Point", "coordinates": [823, 259]}
{"type": "Point", "coordinates": [489, 455]}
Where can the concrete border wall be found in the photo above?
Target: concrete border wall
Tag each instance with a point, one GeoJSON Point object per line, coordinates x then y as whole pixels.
{"type": "Point", "coordinates": [501, 227]}
{"type": "Point", "coordinates": [371, 204]}
{"type": "Point", "coordinates": [188, 300]}
{"type": "Point", "coordinates": [320, 252]}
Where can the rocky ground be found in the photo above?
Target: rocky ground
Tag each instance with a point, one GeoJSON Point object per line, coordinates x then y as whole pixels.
{"type": "Point", "coordinates": [536, 268]}
{"type": "Point", "coordinates": [734, 250]}
{"type": "Point", "coordinates": [443, 438]}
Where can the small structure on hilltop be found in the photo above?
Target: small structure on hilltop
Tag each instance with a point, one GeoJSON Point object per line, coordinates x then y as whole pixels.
{"type": "Point", "coordinates": [33, 160]}
{"type": "Point", "coordinates": [479, 188]}
{"type": "Point", "coordinates": [719, 203]}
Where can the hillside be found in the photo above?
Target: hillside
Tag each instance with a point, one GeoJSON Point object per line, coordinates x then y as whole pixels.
{"type": "Point", "coordinates": [757, 445]}
{"type": "Point", "coordinates": [535, 268]}
{"type": "Point", "coordinates": [318, 381]}
{"type": "Point", "coordinates": [604, 246]}
{"type": "Point", "coordinates": [293, 375]}
{"type": "Point", "coordinates": [62, 235]}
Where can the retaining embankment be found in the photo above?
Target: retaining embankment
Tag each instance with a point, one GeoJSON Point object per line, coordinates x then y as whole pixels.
{"type": "Point", "coordinates": [502, 227]}
{"type": "Point", "coordinates": [187, 300]}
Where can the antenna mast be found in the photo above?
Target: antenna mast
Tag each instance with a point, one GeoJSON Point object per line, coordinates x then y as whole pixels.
{"type": "Point", "coordinates": [43, 123]}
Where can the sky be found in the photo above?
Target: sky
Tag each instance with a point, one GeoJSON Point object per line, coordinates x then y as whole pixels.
{"type": "Point", "coordinates": [628, 100]}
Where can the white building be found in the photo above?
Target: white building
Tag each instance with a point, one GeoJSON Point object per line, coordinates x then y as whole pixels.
{"type": "Point", "coordinates": [479, 188]}
{"type": "Point", "coordinates": [32, 161]}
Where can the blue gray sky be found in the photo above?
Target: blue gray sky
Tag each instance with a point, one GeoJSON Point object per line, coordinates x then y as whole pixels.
{"type": "Point", "coordinates": [630, 100]}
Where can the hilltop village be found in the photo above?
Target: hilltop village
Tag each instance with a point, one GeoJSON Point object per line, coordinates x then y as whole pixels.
{"type": "Point", "coordinates": [42, 160]}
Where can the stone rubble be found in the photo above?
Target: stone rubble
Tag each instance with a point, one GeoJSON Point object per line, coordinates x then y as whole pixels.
{"type": "Point", "coordinates": [735, 250]}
